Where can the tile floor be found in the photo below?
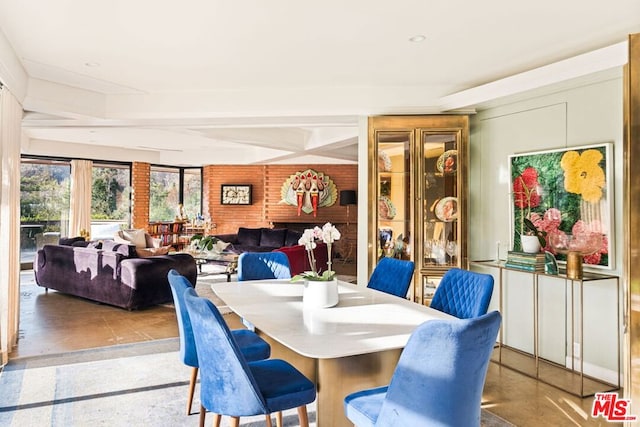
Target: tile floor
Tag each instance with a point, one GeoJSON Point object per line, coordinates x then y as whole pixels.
{"type": "Point", "coordinates": [54, 323]}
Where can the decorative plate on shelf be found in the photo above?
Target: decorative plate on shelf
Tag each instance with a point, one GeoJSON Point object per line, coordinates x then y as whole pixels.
{"type": "Point", "coordinates": [384, 162]}
{"type": "Point", "coordinates": [386, 210]}
{"type": "Point", "coordinates": [447, 209]}
{"type": "Point", "coordinates": [447, 163]}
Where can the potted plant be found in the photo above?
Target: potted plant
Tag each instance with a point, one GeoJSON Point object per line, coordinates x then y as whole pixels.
{"type": "Point", "coordinates": [532, 238]}
{"type": "Point", "coordinates": [321, 288]}
{"type": "Point", "coordinates": [207, 243]}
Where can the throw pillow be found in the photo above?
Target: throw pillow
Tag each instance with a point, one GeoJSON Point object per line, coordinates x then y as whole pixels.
{"type": "Point", "coordinates": [135, 237]}
{"type": "Point", "coordinates": [249, 236]}
{"type": "Point", "coordinates": [147, 252]}
{"type": "Point", "coordinates": [121, 248]}
{"type": "Point", "coordinates": [292, 238]}
{"type": "Point", "coordinates": [221, 246]}
{"type": "Point", "coordinates": [273, 238]}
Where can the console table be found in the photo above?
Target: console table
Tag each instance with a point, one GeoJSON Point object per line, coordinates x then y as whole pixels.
{"type": "Point", "coordinates": [569, 376]}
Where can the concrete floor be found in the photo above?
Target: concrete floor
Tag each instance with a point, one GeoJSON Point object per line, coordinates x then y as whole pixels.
{"type": "Point", "coordinates": [55, 323]}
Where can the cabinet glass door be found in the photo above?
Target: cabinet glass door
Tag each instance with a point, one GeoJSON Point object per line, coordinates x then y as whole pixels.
{"type": "Point", "coordinates": [440, 199]}
{"type": "Point", "coordinates": [394, 204]}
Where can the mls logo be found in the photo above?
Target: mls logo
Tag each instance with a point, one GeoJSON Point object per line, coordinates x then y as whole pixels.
{"type": "Point", "coordinates": [611, 407]}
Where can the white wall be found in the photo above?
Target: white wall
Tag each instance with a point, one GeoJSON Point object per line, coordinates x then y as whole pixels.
{"type": "Point", "coordinates": [580, 116]}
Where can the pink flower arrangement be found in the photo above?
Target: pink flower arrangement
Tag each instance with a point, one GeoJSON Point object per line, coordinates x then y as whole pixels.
{"type": "Point", "coordinates": [327, 234]}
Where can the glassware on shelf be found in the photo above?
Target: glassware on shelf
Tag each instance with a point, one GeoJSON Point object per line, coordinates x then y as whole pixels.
{"type": "Point", "coordinates": [452, 250]}
{"type": "Point", "coordinates": [428, 245]}
{"type": "Point", "coordinates": [438, 252]}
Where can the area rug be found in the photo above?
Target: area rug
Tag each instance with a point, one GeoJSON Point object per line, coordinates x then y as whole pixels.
{"type": "Point", "coordinates": [142, 384]}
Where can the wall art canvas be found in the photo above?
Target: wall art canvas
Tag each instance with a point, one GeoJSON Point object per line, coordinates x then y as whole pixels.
{"type": "Point", "coordinates": [235, 194]}
{"type": "Point", "coordinates": [568, 194]}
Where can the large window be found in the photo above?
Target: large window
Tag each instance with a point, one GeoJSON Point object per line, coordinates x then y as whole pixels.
{"type": "Point", "coordinates": [192, 191]}
{"type": "Point", "coordinates": [110, 199]}
{"type": "Point", "coordinates": [44, 203]}
{"type": "Point", "coordinates": [164, 193]}
{"type": "Point", "coordinates": [169, 187]}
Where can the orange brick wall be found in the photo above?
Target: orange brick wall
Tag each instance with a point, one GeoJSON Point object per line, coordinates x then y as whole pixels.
{"type": "Point", "coordinates": [266, 209]}
{"type": "Point", "coordinates": [140, 176]}
{"type": "Point", "coordinates": [229, 217]}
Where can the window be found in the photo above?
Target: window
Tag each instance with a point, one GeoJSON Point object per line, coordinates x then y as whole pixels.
{"type": "Point", "coordinates": [44, 203]}
{"type": "Point", "coordinates": [169, 187]}
{"type": "Point", "coordinates": [110, 199]}
{"type": "Point", "coordinates": [192, 190]}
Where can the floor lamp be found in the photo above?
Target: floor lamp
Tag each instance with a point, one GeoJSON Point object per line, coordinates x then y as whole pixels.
{"type": "Point", "coordinates": [348, 198]}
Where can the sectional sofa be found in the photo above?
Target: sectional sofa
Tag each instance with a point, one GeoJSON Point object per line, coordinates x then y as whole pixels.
{"type": "Point", "coordinates": [110, 273]}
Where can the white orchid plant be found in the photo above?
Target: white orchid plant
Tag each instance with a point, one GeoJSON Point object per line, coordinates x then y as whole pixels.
{"type": "Point", "coordinates": [327, 234]}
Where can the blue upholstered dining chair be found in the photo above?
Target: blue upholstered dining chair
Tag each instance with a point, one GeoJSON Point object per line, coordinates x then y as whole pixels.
{"type": "Point", "coordinates": [463, 293]}
{"type": "Point", "coordinates": [263, 265]}
{"type": "Point", "coordinates": [252, 346]}
{"type": "Point", "coordinates": [229, 384]}
{"type": "Point", "coordinates": [392, 276]}
{"type": "Point", "coordinates": [438, 380]}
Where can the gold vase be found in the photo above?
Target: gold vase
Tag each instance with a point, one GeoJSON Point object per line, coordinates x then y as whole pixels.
{"type": "Point", "coordinates": [574, 265]}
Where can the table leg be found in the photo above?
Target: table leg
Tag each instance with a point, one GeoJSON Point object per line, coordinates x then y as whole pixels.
{"type": "Point", "coordinates": [335, 378]}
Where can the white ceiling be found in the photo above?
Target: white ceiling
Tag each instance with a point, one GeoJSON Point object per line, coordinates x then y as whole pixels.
{"type": "Point", "coordinates": [253, 81]}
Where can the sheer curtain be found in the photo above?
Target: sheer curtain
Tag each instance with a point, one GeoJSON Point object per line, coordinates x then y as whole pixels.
{"type": "Point", "coordinates": [80, 211]}
{"type": "Point", "coordinates": [10, 136]}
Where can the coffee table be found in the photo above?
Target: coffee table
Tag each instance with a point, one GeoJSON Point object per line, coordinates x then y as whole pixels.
{"type": "Point", "coordinates": [229, 260]}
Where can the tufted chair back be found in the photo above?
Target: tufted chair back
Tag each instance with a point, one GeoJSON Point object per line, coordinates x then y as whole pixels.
{"type": "Point", "coordinates": [263, 265]}
{"type": "Point", "coordinates": [464, 294]}
{"type": "Point", "coordinates": [392, 276]}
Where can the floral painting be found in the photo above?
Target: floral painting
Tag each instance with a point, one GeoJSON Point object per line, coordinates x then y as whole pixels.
{"type": "Point", "coordinates": [565, 192]}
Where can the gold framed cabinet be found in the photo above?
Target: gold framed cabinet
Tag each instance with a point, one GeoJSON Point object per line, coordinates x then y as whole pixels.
{"type": "Point", "coordinates": [418, 193]}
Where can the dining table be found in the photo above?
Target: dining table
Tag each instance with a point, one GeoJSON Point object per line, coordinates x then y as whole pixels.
{"type": "Point", "coordinates": [351, 346]}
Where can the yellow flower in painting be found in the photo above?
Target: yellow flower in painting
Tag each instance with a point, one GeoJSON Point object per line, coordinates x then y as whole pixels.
{"type": "Point", "coordinates": [583, 174]}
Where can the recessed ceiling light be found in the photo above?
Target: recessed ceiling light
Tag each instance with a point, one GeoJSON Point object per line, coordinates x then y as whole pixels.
{"type": "Point", "coordinates": [417, 38]}
{"type": "Point", "coordinates": [91, 64]}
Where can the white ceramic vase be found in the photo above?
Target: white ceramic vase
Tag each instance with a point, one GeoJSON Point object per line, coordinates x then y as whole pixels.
{"type": "Point", "coordinates": [319, 294]}
{"type": "Point", "coordinates": [530, 244]}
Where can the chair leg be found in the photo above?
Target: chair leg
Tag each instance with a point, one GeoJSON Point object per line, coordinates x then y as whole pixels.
{"type": "Point", "coordinates": [203, 414]}
{"type": "Point", "coordinates": [216, 420]}
{"type": "Point", "coordinates": [192, 388]}
{"type": "Point", "coordinates": [302, 416]}
{"type": "Point", "coordinates": [235, 421]}
{"type": "Point", "coordinates": [279, 419]}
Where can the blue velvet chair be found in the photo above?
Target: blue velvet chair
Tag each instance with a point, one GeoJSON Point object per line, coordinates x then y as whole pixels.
{"type": "Point", "coordinates": [463, 293]}
{"type": "Point", "coordinates": [252, 346]}
{"type": "Point", "coordinates": [263, 265]}
{"type": "Point", "coordinates": [229, 384]}
{"type": "Point", "coordinates": [438, 380]}
{"type": "Point", "coordinates": [392, 276]}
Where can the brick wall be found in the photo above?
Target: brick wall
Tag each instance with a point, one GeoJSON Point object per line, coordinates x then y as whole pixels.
{"type": "Point", "coordinates": [266, 209]}
{"type": "Point", "coordinates": [140, 173]}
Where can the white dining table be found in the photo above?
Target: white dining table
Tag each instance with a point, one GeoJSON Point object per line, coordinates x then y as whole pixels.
{"type": "Point", "coordinates": [351, 346]}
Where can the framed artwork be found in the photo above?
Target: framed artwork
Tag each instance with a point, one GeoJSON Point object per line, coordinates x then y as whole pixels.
{"type": "Point", "coordinates": [235, 194]}
{"type": "Point", "coordinates": [565, 192]}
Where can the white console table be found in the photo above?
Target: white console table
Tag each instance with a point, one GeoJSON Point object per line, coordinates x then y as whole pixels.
{"type": "Point", "coordinates": [569, 376]}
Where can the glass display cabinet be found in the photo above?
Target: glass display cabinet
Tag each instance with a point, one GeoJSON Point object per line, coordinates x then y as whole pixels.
{"type": "Point", "coordinates": [418, 194]}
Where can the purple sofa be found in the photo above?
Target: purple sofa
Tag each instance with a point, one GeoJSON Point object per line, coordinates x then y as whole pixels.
{"type": "Point", "coordinates": [111, 275]}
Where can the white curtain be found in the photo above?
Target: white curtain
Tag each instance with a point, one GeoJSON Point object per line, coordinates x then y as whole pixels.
{"type": "Point", "coordinates": [10, 137]}
{"type": "Point", "coordinates": [80, 210]}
